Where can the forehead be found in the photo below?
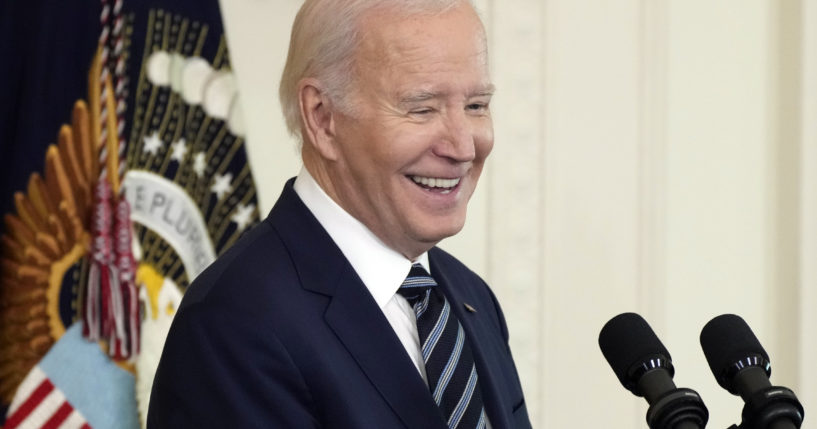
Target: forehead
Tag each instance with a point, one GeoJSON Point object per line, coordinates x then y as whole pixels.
{"type": "Point", "coordinates": [393, 45]}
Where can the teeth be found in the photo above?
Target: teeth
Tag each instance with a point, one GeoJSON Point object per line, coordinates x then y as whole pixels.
{"type": "Point", "coordinates": [433, 182]}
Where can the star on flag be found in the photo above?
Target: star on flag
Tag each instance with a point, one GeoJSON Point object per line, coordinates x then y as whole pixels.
{"type": "Point", "coordinates": [199, 164]}
{"type": "Point", "coordinates": [153, 143]}
{"type": "Point", "coordinates": [221, 185]}
{"type": "Point", "coordinates": [243, 216]}
{"type": "Point", "coordinates": [179, 150]}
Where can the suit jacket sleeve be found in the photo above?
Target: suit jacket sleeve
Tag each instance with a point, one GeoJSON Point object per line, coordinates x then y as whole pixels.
{"type": "Point", "coordinates": [205, 376]}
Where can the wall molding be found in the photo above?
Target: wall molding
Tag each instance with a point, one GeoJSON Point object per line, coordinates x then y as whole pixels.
{"type": "Point", "coordinates": [807, 390]}
{"type": "Point", "coordinates": [652, 177]}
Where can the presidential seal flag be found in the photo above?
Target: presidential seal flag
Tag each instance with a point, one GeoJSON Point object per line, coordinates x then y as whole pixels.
{"type": "Point", "coordinates": [146, 183]}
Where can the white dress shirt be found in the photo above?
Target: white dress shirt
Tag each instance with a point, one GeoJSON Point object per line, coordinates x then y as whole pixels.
{"type": "Point", "coordinates": [381, 268]}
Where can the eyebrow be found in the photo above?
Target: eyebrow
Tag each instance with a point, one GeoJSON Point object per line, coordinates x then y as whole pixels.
{"type": "Point", "coordinates": [487, 91]}
{"type": "Point", "coordinates": [415, 97]}
{"type": "Point", "coordinates": [419, 96]}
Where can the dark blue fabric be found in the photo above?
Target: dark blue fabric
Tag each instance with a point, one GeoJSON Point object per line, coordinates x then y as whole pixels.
{"type": "Point", "coordinates": [46, 48]}
{"type": "Point", "coordinates": [281, 332]}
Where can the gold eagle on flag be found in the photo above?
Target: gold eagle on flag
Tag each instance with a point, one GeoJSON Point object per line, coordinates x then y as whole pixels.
{"type": "Point", "coordinates": [117, 226]}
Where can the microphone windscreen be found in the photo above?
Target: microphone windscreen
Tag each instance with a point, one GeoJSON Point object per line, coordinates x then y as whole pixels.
{"type": "Point", "coordinates": [726, 340]}
{"type": "Point", "coordinates": [627, 341]}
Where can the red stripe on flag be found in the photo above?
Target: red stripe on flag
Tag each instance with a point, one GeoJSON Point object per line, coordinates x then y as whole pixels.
{"type": "Point", "coordinates": [30, 404]}
{"type": "Point", "coordinates": [59, 416]}
{"type": "Point", "coordinates": [86, 426]}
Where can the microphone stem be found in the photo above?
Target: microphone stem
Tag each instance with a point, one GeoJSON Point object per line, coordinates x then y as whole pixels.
{"type": "Point", "coordinates": [782, 424]}
{"type": "Point", "coordinates": [750, 380]}
{"type": "Point", "coordinates": [688, 425]}
{"type": "Point", "coordinates": [654, 384]}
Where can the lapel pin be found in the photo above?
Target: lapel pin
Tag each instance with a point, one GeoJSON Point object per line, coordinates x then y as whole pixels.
{"type": "Point", "coordinates": [469, 307]}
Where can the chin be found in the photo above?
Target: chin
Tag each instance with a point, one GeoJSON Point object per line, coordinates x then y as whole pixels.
{"type": "Point", "coordinates": [442, 229]}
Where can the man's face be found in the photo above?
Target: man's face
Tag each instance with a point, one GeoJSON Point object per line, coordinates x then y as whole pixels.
{"type": "Point", "coordinates": [412, 149]}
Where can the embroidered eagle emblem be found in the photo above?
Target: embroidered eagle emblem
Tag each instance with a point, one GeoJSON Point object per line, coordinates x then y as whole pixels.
{"type": "Point", "coordinates": [126, 212]}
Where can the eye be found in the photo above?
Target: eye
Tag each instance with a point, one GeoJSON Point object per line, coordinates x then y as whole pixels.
{"type": "Point", "coordinates": [477, 107]}
{"type": "Point", "coordinates": [422, 111]}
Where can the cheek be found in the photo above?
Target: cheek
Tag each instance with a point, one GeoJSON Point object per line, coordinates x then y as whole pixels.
{"type": "Point", "coordinates": [368, 156]}
{"type": "Point", "coordinates": [403, 149]}
{"type": "Point", "coordinates": [484, 143]}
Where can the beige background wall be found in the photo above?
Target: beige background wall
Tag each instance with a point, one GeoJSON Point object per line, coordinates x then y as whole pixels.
{"type": "Point", "coordinates": [657, 156]}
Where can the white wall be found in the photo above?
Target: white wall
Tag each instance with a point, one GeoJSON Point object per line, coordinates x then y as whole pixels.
{"type": "Point", "coordinates": [807, 255]}
{"type": "Point", "coordinates": [655, 156]}
{"type": "Point", "coordinates": [258, 39]}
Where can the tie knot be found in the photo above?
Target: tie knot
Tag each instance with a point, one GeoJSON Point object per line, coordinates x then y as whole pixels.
{"type": "Point", "coordinates": [416, 284]}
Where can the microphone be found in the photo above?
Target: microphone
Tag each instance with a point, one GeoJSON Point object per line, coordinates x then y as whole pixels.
{"type": "Point", "coordinates": [644, 367]}
{"type": "Point", "coordinates": [741, 366]}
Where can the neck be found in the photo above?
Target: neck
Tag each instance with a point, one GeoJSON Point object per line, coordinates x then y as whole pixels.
{"type": "Point", "coordinates": [318, 169]}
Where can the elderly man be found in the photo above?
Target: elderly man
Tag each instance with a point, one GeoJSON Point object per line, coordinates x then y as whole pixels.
{"type": "Point", "coordinates": [325, 315]}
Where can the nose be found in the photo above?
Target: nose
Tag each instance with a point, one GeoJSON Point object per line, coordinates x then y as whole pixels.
{"type": "Point", "coordinates": [457, 142]}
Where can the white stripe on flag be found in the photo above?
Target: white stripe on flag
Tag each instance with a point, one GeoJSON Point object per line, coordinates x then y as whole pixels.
{"type": "Point", "coordinates": [74, 421]}
{"type": "Point", "coordinates": [33, 380]}
{"type": "Point", "coordinates": [44, 410]}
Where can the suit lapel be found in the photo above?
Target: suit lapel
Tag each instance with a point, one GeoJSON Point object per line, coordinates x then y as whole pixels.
{"type": "Point", "coordinates": [477, 328]}
{"type": "Point", "coordinates": [352, 312]}
{"type": "Point", "coordinates": [361, 326]}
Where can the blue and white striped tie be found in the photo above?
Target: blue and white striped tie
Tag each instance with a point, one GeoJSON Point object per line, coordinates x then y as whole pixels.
{"type": "Point", "coordinates": [452, 375]}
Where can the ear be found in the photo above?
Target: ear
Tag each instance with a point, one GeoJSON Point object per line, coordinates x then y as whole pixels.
{"type": "Point", "coordinates": [317, 118]}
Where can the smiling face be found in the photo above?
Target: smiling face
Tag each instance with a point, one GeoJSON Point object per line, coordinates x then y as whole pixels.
{"type": "Point", "coordinates": [407, 156]}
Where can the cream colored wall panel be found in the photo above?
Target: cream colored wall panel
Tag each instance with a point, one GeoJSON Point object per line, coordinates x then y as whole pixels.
{"type": "Point", "coordinates": [717, 184]}
{"type": "Point", "coordinates": [258, 38]}
{"type": "Point", "coordinates": [590, 173]}
{"type": "Point", "coordinates": [783, 159]}
{"type": "Point", "coordinates": [652, 161]}
{"type": "Point", "coordinates": [807, 386]}
{"type": "Point", "coordinates": [514, 187]}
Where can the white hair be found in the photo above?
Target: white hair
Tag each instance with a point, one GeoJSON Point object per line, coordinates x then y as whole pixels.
{"type": "Point", "coordinates": [324, 37]}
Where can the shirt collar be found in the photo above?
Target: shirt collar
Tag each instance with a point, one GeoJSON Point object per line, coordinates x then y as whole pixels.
{"type": "Point", "coordinates": [381, 268]}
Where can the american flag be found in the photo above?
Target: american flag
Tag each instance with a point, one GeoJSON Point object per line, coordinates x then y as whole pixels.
{"type": "Point", "coordinates": [183, 126]}
{"type": "Point", "coordinates": [40, 404]}
{"type": "Point", "coordinates": [95, 392]}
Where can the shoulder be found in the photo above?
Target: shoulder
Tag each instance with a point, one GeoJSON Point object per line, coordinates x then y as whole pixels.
{"type": "Point", "coordinates": [256, 279]}
{"type": "Point", "coordinates": [257, 255]}
{"type": "Point", "coordinates": [456, 273]}
{"type": "Point", "coordinates": [464, 284]}
{"type": "Point", "coordinates": [448, 263]}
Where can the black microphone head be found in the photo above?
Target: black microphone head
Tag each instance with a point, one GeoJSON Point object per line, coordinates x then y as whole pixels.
{"type": "Point", "coordinates": [730, 346]}
{"type": "Point", "coordinates": [632, 348]}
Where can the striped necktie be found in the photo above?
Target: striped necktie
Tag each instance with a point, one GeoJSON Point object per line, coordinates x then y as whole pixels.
{"type": "Point", "coordinates": [452, 375]}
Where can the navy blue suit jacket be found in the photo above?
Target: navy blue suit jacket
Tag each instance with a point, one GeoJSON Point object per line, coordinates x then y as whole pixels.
{"type": "Point", "coordinates": [280, 332]}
